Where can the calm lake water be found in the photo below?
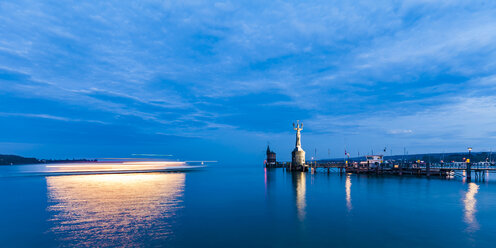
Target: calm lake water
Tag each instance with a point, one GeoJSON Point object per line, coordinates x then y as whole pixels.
{"type": "Point", "coordinates": [233, 206]}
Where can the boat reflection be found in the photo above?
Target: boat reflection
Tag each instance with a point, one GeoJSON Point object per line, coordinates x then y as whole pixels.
{"type": "Point", "coordinates": [117, 167]}
{"type": "Point", "coordinates": [470, 202]}
{"type": "Point", "coordinates": [348, 192]}
{"type": "Point", "coordinates": [299, 182]}
{"type": "Point", "coordinates": [113, 209]}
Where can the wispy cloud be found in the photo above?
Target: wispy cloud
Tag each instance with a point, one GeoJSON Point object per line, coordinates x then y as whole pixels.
{"type": "Point", "coordinates": [400, 131]}
{"type": "Point", "coordinates": [50, 117]}
{"type": "Point", "coordinates": [193, 68]}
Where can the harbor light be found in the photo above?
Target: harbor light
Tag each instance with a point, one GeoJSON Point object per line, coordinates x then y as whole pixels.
{"type": "Point", "coordinates": [469, 154]}
{"type": "Point", "coordinates": [469, 164]}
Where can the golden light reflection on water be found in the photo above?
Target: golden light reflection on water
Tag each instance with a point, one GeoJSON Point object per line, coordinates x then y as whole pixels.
{"type": "Point", "coordinates": [348, 192]}
{"type": "Point", "coordinates": [470, 202]}
{"type": "Point", "coordinates": [300, 195]}
{"type": "Point", "coordinates": [114, 209]}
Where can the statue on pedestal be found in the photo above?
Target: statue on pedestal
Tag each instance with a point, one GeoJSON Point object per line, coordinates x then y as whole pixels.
{"type": "Point", "coordinates": [298, 155]}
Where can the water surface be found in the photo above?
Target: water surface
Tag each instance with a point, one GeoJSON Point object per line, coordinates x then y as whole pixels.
{"type": "Point", "coordinates": [234, 206]}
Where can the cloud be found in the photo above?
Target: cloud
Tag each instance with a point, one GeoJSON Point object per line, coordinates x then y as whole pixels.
{"type": "Point", "coordinates": [47, 116]}
{"type": "Point", "coordinates": [192, 68]}
{"type": "Point", "coordinates": [469, 120]}
{"type": "Point", "coordinates": [400, 131]}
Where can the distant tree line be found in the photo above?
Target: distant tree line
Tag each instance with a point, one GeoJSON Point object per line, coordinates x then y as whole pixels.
{"type": "Point", "coordinates": [14, 159]}
{"type": "Point", "coordinates": [445, 157]}
{"type": "Point", "coordinates": [433, 158]}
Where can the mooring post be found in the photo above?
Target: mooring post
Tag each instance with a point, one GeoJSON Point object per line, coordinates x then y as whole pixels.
{"type": "Point", "coordinates": [428, 169]}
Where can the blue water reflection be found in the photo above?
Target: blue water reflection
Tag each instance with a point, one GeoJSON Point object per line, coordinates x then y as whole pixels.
{"type": "Point", "coordinates": [230, 206]}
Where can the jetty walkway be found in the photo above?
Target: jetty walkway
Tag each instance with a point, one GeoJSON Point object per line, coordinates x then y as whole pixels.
{"type": "Point", "coordinates": [408, 168]}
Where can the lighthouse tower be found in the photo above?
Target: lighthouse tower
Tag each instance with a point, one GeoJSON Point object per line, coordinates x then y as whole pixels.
{"type": "Point", "coordinates": [298, 155]}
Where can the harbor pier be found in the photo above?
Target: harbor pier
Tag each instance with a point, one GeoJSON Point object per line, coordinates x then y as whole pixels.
{"type": "Point", "coordinates": [477, 172]}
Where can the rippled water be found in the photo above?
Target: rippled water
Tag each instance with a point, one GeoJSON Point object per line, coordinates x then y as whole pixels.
{"type": "Point", "coordinates": [231, 206]}
{"type": "Point", "coordinates": [113, 209]}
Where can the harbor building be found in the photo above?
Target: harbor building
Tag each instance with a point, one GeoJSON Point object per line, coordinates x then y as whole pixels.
{"type": "Point", "coordinates": [271, 158]}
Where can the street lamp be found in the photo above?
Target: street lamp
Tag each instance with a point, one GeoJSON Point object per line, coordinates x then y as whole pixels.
{"type": "Point", "coordinates": [469, 164]}
{"type": "Point", "coordinates": [470, 154]}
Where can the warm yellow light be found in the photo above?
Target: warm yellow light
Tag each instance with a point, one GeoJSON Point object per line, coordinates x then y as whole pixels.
{"type": "Point", "coordinates": [300, 196]}
{"type": "Point", "coordinates": [348, 192]}
{"type": "Point", "coordinates": [470, 202]}
{"type": "Point", "coordinates": [101, 210]}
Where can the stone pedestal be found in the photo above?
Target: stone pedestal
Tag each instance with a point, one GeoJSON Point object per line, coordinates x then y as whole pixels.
{"type": "Point", "coordinates": [298, 157]}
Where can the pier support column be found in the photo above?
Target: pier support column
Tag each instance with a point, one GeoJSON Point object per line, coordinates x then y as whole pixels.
{"type": "Point", "coordinates": [469, 171]}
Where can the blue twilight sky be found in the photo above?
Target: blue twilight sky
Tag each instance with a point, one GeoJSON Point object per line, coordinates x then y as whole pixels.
{"type": "Point", "coordinates": [220, 79]}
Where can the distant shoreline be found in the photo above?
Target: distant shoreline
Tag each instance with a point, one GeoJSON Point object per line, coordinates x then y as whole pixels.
{"type": "Point", "coordinates": [428, 157]}
{"type": "Point", "coordinates": [19, 160]}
